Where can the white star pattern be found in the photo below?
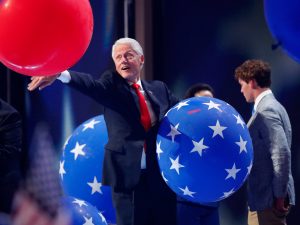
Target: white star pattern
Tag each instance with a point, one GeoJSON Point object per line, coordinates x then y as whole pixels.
{"type": "Point", "coordinates": [78, 150]}
{"type": "Point", "coordinates": [175, 148]}
{"type": "Point", "coordinates": [239, 120]}
{"type": "Point", "coordinates": [232, 172]}
{"type": "Point", "coordinates": [168, 112]}
{"type": "Point", "coordinates": [181, 104]}
{"type": "Point", "coordinates": [62, 169]}
{"type": "Point", "coordinates": [175, 164]}
{"type": "Point", "coordinates": [163, 176]}
{"type": "Point", "coordinates": [81, 171]}
{"type": "Point", "coordinates": [249, 168]}
{"type": "Point", "coordinates": [213, 105]}
{"type": "Point", "coordinates": [90, 125]}
{"type": "Point", "coordinates": [199, 146]}
{"type": "Point", "coordinates": [173, 131]}
{"type": "Point", "coordinates": [226, 194]}
{"type": "Point", "coordinates": [242, 145]}
{"type": "Point", "coordinates": [66, 142]}
{"type": "Point", "coordinates": [95, 185]}
{"type": "Point", "coordinates": [102, 217]}
{"type": "Point", "coordinates": [186, 191]}
{"type": "Point", "coordinates": [158, 149]}
{"type": "Point", "coordinates": [88, 221]}
{"type": "Point", "coordinates": [218, 129]}
{"type": "Point", "coordinates": [198, 164]}
{"type": "Point", "coordinates": [79, 202]}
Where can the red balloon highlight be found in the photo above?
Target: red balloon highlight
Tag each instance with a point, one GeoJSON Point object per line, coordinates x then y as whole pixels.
{"type": "Point", "coordinates": [44, 37]}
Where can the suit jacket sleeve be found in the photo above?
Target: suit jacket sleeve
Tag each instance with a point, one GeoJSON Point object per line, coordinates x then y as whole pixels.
{"type": "Point", "coordinates": [97, 89]}
{"type": "Point", "coordinates": [109, 82]}
{"type": "Point", "coordinates": [279, 149]}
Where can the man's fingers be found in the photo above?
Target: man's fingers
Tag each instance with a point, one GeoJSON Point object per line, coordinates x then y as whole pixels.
{"type": "Point", "coordinates": [41, 82]}
{"type": "Point", "coordinates": [32, 85]}
{"type": "Point", "coordinates": [35, 83]}
{"type": "Point", "coordinates": [43, 85]}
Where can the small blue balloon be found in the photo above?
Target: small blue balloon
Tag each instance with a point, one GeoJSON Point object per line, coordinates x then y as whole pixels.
{"type": "Point", "coordinates": [283, 20]}
{"type": "Point", "coordinates": [204, 149]}
{"type": "Point", "coordinates": [81, 166]}
{"type": "Point", "coordinates": [82, 212]}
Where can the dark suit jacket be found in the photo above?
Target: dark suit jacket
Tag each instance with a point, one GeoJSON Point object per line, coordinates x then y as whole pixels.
{"type": "Point", "coordinates": [122, 160]}
{"type": "Point", "coordinates": [10, 150]}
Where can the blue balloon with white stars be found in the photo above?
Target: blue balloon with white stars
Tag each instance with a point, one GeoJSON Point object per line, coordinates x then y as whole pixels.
{"type": "Point", "coordinates": [82, 212]}
{"type": "Point", "coordinates": [204, 149]}
{"type": "Point", "coordinates": [81, 166]}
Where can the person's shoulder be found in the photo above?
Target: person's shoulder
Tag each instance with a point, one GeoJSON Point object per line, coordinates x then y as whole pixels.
{"type": "Point", "coordinates": [155, 83]}
{"type": "Point", "coordinates": [270, 102]}
{"type": "Point", "coordinates": [271, 106]}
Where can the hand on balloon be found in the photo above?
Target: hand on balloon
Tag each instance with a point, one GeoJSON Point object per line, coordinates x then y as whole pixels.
{"type": "Point", "coordinates": [41, 82]}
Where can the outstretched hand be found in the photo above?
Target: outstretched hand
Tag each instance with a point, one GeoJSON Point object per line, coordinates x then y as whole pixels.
{"type": "Point", "coordinates": [41, 82]}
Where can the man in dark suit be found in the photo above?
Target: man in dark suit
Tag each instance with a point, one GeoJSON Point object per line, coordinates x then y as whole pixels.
{"type": "Point", "coordinates": [270, 183]}
{"type": "Point", "coordinates": [140, 195]}
{"type": "Point", "coordinates": [10, 154]}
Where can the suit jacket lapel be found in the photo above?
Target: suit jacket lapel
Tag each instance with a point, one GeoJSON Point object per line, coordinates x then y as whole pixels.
{"type": "Point", "coordinates": [152, 98]}
{"type": "Point", "coordinates": [260, 104]}
{"type": "Point", "coordinates": [252, 118]}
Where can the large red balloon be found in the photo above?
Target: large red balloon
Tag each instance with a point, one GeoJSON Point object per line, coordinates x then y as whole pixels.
{"type": "Point", "coordinates": [44, 37]}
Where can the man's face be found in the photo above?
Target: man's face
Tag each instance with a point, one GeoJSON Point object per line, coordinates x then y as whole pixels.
{"type": "Point", "coordinates": [128, 63]}
{"type": "Point", "coordinates": [247, 90]}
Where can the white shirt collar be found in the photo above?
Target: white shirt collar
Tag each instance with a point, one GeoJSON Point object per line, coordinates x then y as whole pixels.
{"type": "Point", "coordinates": [260, 97]}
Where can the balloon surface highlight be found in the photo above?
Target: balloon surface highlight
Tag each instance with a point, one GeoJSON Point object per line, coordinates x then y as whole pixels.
{"type": "Point", "coordinates": [282, 17]}
{"type": "Point", "coordinates": [204, 149]}
{"type": "Point", "coordinates": [81, 166]}
{"type": "Point", "coordinates": [44, 37]}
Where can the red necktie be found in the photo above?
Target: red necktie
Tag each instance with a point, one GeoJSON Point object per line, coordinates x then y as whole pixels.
{"type": "Point", "coordinates": [145, 115]}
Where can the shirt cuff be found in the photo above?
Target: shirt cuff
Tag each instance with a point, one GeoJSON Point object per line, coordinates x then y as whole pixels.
{"type": "Point", "coordinates": [65, 76]}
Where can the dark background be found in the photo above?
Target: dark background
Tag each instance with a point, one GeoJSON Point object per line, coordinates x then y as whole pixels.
{"type": "Point", "coordinates": [192, 41]}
